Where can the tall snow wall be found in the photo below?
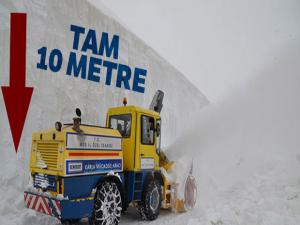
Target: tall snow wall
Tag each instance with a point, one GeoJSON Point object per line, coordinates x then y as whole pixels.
{"type": "Point", "coordinates": [56, 94]}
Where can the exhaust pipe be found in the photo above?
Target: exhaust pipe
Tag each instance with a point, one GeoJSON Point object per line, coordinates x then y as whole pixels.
{"type": "Point", "coordinates": [76, 124]}
{"type": "Point", "coordinates": [77, 121]}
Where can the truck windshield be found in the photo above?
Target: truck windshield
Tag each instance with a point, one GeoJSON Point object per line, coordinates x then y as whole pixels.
{"type": "Point", "coordinates": [122, 123]}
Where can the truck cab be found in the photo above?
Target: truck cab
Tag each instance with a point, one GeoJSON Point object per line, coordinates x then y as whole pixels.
{"type": "Point", "coordinates": [141, 139]}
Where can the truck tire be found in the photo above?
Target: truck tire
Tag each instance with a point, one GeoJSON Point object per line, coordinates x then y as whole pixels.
{"type": "Point", "coordinates": [150, 205]}
{"type": "Point", "coordinates": [107, 204]}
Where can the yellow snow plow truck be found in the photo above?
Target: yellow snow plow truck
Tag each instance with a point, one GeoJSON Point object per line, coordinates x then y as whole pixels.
{"type": "Point", "coordinates": [86, 171]}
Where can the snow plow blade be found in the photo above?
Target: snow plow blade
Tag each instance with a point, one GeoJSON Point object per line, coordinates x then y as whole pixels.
{"type": "Point", "coordinates": [42, 204]}
{"type": "Point", "coordinates": [62, 209]}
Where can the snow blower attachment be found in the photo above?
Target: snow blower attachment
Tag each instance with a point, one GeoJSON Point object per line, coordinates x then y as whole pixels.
{"type": "Point", "coordinates": [180, 194]}
{"type": "Point", "coordinates": [86, 171]}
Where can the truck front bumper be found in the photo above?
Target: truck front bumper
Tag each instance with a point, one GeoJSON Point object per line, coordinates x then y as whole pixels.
{"type": "Point", "coordinates": [59, 208]}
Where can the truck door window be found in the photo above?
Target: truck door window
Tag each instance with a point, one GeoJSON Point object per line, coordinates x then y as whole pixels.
{"type": "Point", "coordinates": [147, 130]}
{"type": "Point", "coordinates": [122, 123]}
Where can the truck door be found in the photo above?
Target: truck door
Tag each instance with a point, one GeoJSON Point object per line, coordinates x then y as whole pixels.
{"type": "Point", "coordinates": [148, 157]}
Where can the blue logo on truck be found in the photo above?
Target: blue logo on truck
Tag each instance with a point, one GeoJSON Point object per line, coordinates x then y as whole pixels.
{"type": "Point", "coordinates": [76, 167]}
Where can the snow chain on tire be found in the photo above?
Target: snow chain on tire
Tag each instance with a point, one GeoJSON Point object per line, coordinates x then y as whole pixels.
{"type": "Point", "coordinates": [107, 205]}
{"type": "Point", "coordinates": [150, 205]}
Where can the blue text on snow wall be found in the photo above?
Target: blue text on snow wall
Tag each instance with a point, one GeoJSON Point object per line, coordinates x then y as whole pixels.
{"type": "Point", "coordinates": [85, 60]}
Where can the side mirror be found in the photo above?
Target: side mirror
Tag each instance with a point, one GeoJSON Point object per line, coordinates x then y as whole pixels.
{"type": "Point", "coordinates": [157, 130]}
{"type": "Point", "coordinates": [78, 112]}
{"type": "Point", "coordinates": [77, 120]}
{"type": "Point", "coordinates": [58, 126]}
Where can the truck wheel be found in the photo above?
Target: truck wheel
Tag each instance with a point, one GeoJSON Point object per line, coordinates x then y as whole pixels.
{"type": "Point", "coordinates": [107, 205]}
{"type": "Point", "coordinates": [151, 201]}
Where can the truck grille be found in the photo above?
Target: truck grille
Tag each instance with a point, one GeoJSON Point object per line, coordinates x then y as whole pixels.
{"type": "Point", "coordinates": [47, 153]}
{"type": "Point", "coordinates": [44, 181]}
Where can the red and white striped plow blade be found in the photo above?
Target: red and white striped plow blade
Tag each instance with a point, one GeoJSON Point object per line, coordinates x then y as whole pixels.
{"type": "Point", "coordinates": [42, 204]}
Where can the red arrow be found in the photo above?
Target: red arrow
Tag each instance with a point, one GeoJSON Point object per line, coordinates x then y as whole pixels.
{"type": "Point", "coordinates": [16, 95]}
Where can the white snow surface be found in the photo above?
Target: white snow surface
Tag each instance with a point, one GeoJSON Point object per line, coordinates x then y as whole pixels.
{"type": "Point", "coordinates": [245, 149]}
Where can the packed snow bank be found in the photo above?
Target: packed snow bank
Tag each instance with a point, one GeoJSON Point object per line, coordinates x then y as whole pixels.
{"type": "Point", "coordinates": [246, 150]}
